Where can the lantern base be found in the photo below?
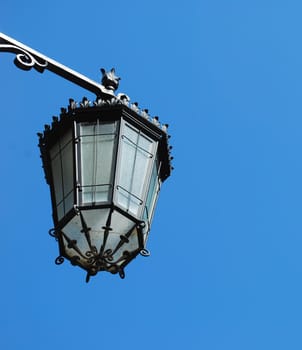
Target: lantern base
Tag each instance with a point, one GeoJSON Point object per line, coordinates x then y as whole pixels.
{"type": "Point", "coordinates": [100, 240]}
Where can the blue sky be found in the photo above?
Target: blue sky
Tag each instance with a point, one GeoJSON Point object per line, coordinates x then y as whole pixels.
{"type": "Point", "coordinates": [225, 269]}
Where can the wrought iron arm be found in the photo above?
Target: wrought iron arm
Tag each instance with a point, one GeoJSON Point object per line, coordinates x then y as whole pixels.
{"type": "Point", "coordinates": [27, 58]}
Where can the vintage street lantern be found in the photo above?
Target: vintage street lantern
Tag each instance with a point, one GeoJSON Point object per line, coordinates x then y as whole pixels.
{"type": "Point", "coordinates": [104, 162]}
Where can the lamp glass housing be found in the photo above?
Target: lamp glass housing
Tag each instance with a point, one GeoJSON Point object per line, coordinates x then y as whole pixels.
{"type": "Point", "coordinates": [96, 156]}
{"type": "Point", "coordinates": [105, 167]}
{"type": "Point", "coordinates": [136, 157]}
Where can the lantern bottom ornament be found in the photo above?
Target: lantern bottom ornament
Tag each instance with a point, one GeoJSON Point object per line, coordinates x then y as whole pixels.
{"type": "Point", "coordinates": [105, 163]}
{"type": "Point", "coordinates": [101, 246]}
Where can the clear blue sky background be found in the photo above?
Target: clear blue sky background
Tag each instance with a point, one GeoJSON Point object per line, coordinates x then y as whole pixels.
{"type": "Point", "coordinates": [225, 271]}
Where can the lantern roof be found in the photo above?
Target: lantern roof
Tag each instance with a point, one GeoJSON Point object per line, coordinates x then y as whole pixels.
{"type": "Point", "coordinates": [118, 104]}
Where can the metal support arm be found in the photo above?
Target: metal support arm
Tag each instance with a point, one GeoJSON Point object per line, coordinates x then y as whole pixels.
{"type": "Point", "coordinates": [27, 58]}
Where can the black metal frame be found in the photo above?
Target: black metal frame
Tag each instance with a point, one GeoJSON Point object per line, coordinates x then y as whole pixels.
{"type": "Point", "coordinates": [27, 58]}
{"type": "Point", "coordinates": [106, 101]}
{"type": "Point", "coordinates": [99, 261]}
{"type": "Point", "coordinates": [70, 118]}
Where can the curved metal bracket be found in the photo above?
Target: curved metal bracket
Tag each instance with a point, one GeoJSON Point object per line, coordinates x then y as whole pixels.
{"type": "Point", "coordinates": [27, 58]}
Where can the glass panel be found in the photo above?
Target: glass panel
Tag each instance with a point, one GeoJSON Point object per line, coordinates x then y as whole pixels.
{"type": "Point", "coordinates": [154, 188]}
{"type": "Point", "coordinates": [69, 201]}
{"type": "Point", "coordinates": [61, 155]}
{"type": "Point", "coordinates": [57, 178]}
{"type": "Point", "coordinates": [136, 157]}
{"type": "Point", "coordinates": [133, 244]}
{"type": "Point", "coordinates": [97, 153]}
{"type": "Point", "coordinates": [121, 226]}
{"type": "Point", "coordinates": [60, 210]}
{"type": "Point", "coordinates": [95, 220]}
{"type": "Point", "coordinates": [67, 167]}
{"type": "Point", "coordinates": [77, 243]}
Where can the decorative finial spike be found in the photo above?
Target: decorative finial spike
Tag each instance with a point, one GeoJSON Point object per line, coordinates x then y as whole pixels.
{"type": "Point", "coordinates": [87, 277]}
{"type": "Point", "coordinates": [85, 102]}
{"type": "Point", "coordinates": [134, 107]}
{"type": "Point", "coordinates": [164, 127]}
{"type": "Point", "coordinates": [63, 110]}
{"type": "Point", "coordinates": [123, 98]}
{"type": "Point", "coordinates": [155, 121]}
{"type": "Point", "coordinates": [109, 80]}
{"type": "Point", "coordinates": [72, 104]}
{"type": "Point", "coordinates": [144, 113]}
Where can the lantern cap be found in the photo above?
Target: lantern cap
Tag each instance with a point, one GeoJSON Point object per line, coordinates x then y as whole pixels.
{"type": "Point", "coordinates": [110, 80]}
{"type": "Point", "coordinates": [119, 102]}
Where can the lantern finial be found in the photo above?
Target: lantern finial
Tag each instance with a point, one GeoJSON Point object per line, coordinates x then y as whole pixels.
{"type": "Point", "coordinates": [109, 80]}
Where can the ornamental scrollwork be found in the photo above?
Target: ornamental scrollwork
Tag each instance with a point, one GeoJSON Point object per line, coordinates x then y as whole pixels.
{"type": "Point", "coordinates": [24, 60]}
{"type": "Point", "coordinates": [27, 58]}
{"type": "Point", "coordinates": [59, 260]}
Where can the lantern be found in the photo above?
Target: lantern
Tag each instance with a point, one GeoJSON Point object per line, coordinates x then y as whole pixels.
{"type": "Point", "coordinates": [105, 163]}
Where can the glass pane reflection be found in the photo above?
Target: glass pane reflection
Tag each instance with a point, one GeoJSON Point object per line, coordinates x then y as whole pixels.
{"type": "Point", "coordinates": [136, 158]}
{"type": "Point", "coordinates": [97, 151]}
{"type": "Point", "coordinates": [61, 156]}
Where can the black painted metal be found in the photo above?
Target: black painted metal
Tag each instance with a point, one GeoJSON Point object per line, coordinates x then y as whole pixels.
{"type": "Point", "coordinates": [109, 107]}
{"type": "Point", "coordinates": [104, 110]}
{"type": "Point", "coordinates": [27, 58]}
